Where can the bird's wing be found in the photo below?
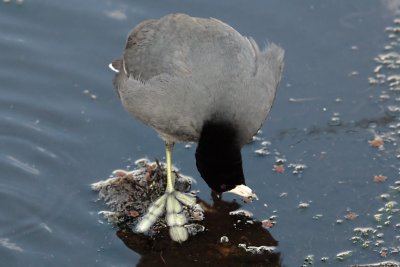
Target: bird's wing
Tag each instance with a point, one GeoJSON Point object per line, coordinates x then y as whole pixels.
{"type": "Point", "coordinates": [208, 50]}
{"type": "Point", "coordinates": [153, 48]}
{"type": "Point", "coordinates": [167, 103]}
{"type": "Point", "coordinates": [268, 71]}
{"type": "Point", "coordinates": [264, 81]}
{"type": "Point", "coordinates": [198, 67]}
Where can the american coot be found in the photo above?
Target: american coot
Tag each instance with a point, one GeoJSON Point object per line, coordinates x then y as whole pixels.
{"type": "Point", "coordinates": [199, 80]}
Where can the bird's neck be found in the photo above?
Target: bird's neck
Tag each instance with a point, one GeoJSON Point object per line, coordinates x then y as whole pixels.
{"type": "Point", "coordinates": [218, 156]}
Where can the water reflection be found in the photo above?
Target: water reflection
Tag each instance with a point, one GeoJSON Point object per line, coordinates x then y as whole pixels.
{"type": "Point", "coordinates": [206, 249]}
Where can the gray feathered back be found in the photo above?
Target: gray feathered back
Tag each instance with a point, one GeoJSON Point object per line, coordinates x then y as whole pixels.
{"type": "Point", "coordinates": [181, 71]}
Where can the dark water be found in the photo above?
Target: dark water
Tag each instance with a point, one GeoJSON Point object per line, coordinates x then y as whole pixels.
{"type": "Point", "coordinates": [56, 139]}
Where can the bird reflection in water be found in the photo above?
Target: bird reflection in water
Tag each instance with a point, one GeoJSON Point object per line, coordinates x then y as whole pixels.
{"type": "Point", "coordinates": [209, 248]}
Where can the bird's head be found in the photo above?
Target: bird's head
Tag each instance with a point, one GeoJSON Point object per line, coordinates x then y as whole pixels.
{"type": "Point", "coordinates": [219, 160]}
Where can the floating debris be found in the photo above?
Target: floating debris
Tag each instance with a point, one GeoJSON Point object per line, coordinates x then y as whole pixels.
{"type": "Point", "coordinates": [379, 178]}
{"type": "Point", "coordinates": [377, 142]}
{"type": "Point", "coordinates": [255, 138]}
{"type": "Point", "coordinates": [393, 110]}
{"type": "Point", "coordinates": [308, 261]}
{"type": "Point", "coordinates": [280, 160]}
{"type": "Point", "coordinates": [373, 81]}
{"type": "Point", "coordinates": [198, 213]}
{"type": "Point", "coordinates": [378, 68]}
{"type": "Point", "coordinates": [304, 99]}
{"type": "Point", "coordinates": [387, 79]}
{"type": "Point", "coordinates": [351, 216]}
{"type": "Point", "coordinates": [283, 194]}
{"type": "Point", "coordinates": [390, 205]}
{"type": "Point", "coordinates": [265, 143]}
{"type": "Point", "coordinates": [364, 231]}
{"type": "Point", "coordinates": [303, 205]}
{"type": "Point", "coordinates": [194, 228]}
{"type": "Point", "coordinates": [384, 196]}
{"type": "Point", "coordinates": [257, 250]}
{"type": "Point", "coordinates": [268, 224]}
{"type": "Point", "coordinates": [354, 73]}
{"type": "Point", "coordinates": [344, 255]}
{"type": "Point", "coordinates": [335, 121]}
{"type": "Point", "coordinates": [298, 168]}
{"type": "Point", "coordinates": [379, 264]}
{"type": "Point", "coordinates": [383, 253]}
{"type": "Point", "coordinates": [279, 168]}
{"type": "Point", "coordinates": [324, 259]}
{"type": "Point", "coordinates": [262, 151]}
{"type": "Point", "coordinates": [384, 97]}
{"type": "Point", "coordinates": [92, 96]}
{"type": "Point", "coordinates": [241, 212]}
{"type": "Point", "coordinates": [187, 146]}
{"type": "Point", "coordinates": [317, 216]}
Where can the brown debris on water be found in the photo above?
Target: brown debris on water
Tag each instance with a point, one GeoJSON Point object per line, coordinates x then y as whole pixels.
{"type": "Point", "coordinates": [351, 216]}
{"type": "Point", "coordinates": [379, 178]}
{"type": "Point", "coordinates": [268, 224]}
{"type": "Point", "coordinates": [128, 194]}
{"type": "Point", "coordinates": [377, 142]}
{"type": "Point", "coordinates": [279, 168]}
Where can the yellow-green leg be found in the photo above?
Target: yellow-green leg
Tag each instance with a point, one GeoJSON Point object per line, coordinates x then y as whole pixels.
{"type": "Point", "coordinates": [171, 202]}
{"type": "Point", "coordinates": [168, 157]}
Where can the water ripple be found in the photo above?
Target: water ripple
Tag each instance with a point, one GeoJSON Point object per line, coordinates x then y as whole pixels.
{"type": "Point", "coordinates": [22, 165]}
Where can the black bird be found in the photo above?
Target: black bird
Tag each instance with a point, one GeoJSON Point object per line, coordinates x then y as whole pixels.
{"type": "Point", "coordinates": [199, 80]}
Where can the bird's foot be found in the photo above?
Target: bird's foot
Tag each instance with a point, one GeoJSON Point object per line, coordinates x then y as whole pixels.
{"type": "Point", "coordinates": [172, 203]}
